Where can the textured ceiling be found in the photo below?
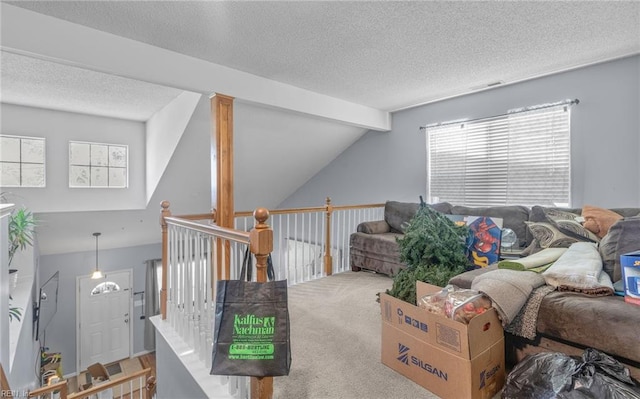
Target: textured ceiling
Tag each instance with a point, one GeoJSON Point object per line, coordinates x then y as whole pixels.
{"type": "Point", "coordinates": [387, 55]}
{"type": "Point", "coordinates": [44, 84]}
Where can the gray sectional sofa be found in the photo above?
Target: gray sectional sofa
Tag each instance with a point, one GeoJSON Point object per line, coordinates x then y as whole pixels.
{"type": "Point", "coordinates": [567, 322]}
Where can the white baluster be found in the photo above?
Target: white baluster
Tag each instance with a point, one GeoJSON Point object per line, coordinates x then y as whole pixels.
{"type": "Point", "coordinates": [191, 265]}
{"type": "Point", "coordinates": [182, 286]}
{"type": "Point", "coordinates": [197, 303]}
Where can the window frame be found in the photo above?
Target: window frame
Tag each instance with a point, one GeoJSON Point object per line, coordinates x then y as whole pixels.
{"type": "Point", "coordinates": [92, 165]}
{"type": "Point", "coordinates": [539, 134]}
{"type": "Point", "coordinates": [21, 163]}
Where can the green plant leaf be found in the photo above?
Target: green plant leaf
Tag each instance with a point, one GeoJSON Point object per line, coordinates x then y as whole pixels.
{"type": "Point", "coordinates": [433, 248]}
{"type": "Point", "coordinates": [21, 228]}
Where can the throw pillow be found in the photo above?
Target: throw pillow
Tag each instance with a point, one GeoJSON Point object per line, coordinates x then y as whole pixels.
{"type": "Point", "coordinates": [575, 229]}
{"type": "Point", "coordinates": [565, 228]}
{"type": "Point", "coordinates": [558, 214]}
{"type": "Point", "coordinates": [548, 236]}
{"type": "Point", "coordinates": [599, 220]}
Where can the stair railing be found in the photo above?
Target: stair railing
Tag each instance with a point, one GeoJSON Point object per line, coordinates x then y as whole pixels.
{"type": "Point", "coordinates": [313, 242]}
{"type": "Point", "coordinates": [196, 253]}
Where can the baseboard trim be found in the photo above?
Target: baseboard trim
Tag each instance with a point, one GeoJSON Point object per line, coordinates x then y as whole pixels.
{"type": "Point", "coordinates": [144, 352]}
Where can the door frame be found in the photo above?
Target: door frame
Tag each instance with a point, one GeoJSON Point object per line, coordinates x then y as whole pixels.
{"type": "Point", "coordinates": [78, 332]}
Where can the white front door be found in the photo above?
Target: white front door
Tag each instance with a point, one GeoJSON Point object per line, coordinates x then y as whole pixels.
{"type": "Point", "coordinates": [104, 311]}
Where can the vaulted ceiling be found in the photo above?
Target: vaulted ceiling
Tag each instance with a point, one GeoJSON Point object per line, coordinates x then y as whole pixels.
{"type": "Point", "coordinates": [305, 74]}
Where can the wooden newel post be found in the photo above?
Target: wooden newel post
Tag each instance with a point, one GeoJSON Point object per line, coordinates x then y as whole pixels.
{"type": "Point", "coordinates": [328, 260]}
{"type": "Point", "coordinates": [165, 254]}
{"type": "Point", "coordinates": [261, 245]}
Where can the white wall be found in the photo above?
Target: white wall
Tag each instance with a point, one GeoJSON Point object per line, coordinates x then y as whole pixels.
{"type": "Point", "coordinates": [605, 140]}
{"type": "Point", "coordinates": [163, 132]}
{"type": "Point", "coordinates": [58, 128]}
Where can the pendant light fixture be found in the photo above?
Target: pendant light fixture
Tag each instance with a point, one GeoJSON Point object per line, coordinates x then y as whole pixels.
{"type": "Point", "coordinates": [97, 273]}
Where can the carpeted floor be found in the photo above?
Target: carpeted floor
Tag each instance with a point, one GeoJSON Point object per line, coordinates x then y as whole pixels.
{"type": "Point", "coordinates": [335, 341]}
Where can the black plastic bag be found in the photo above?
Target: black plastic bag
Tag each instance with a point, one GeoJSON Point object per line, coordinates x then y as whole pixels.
{"type": "Point", "coordinates": [556, 375]}
{"type": "Point", "coordinates": [601, 376]}
{"type": "Point", "coordinates": [540, 376]}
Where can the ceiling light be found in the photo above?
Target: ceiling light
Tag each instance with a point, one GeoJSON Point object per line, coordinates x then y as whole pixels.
{"type": "Point", "coordinates": [97, 273]}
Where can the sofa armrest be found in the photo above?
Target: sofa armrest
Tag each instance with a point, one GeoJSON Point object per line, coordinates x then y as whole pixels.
{"type": "Point", "coordinates": [375, 227]}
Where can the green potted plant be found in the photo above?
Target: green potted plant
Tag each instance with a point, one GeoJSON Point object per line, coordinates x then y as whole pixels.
{"type": "Point", "coordinates": [21, 225]}
{"type": "Point", "coordinates": [433, 248]}
{"type": "Point", "coordinates": [15, 312]}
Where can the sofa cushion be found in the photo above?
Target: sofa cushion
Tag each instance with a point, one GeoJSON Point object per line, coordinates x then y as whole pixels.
{"type": "Point", "coordinates": [623, 237]}
{"type": "Point", "coordinates": [606, 323]}
{"type": "Point", "coordinates": [374, 227]}
{"type": "Point", "coordinates": [378, 245]}
{"type": "Point", "coordinates": [627, 212]}
{"type": "Point", "coordinates": [513, 217]}
{"type": "Point", "coordinates": [377, 252]}
{"type": "Point", "coordinates": [397, 214]}
{"type": "Point", "coordinates": [442, 207]}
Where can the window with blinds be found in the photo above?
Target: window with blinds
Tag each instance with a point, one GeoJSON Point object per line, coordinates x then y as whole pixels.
{"type": "Point", "coordinates": [523, 158]}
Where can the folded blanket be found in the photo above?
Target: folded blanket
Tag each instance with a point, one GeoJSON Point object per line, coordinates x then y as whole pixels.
{"type": "Point", "coordinates": [579, 269]}
{"type": "Point", "coordinates": [508, 290]}
{"type": "Point", "coordinates": [542, 258]}
{"type": "Point", "coordinates": [605, 289]}
{"type": "Point", "coordinates": [525, 324]}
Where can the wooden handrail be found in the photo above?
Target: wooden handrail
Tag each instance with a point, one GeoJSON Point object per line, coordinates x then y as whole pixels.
{"type": "Point", "coordinates": [222, 232]}
{"type": "Point", "coordinates": [47, 389]}
{"type": "Point", "coordinates": [349, 207]}
{"type": "Point", "coordinates": [310, 209]}
{"type": "Point", "coordinates": [199, 216]}
{"type": "Point", "coordinates": [113, 383]}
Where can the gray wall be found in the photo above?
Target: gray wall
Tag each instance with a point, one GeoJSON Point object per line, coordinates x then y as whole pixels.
{"type": "Point", "coordinates": [61, 333]}
{"type": "Point", "coordinates": [605, 140]}
{"type": "Point", "coordinates": [174, 381]}
{"type": "Point", "coordinates": [58, 128]}
{"type": "Point", "coordinates": [24, 370]}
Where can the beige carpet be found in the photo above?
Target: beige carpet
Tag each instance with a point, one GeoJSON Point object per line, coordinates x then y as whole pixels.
{"type": "Point", "coordinates": [335, 341]}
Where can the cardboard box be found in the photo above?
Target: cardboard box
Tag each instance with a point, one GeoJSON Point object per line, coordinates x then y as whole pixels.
{"type": "Point", "coordinates": [630, 263]}
{"type": "Point", "coordinates": [448, 358]}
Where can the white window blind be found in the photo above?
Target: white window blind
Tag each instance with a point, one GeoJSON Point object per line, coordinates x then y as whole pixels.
{"type": "Point", "coordinates": [521, 158]}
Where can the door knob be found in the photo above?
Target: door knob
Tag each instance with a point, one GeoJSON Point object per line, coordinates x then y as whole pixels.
{"type": "Point", "coordinates": [126, 320]}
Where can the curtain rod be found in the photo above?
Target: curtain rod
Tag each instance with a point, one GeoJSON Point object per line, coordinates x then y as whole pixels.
{"type": "Point", "coordinates": [514, 111]}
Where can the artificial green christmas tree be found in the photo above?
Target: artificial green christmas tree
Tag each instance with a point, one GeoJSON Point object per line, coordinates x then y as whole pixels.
{"type": "Point", "coordinates": [433, 248]}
